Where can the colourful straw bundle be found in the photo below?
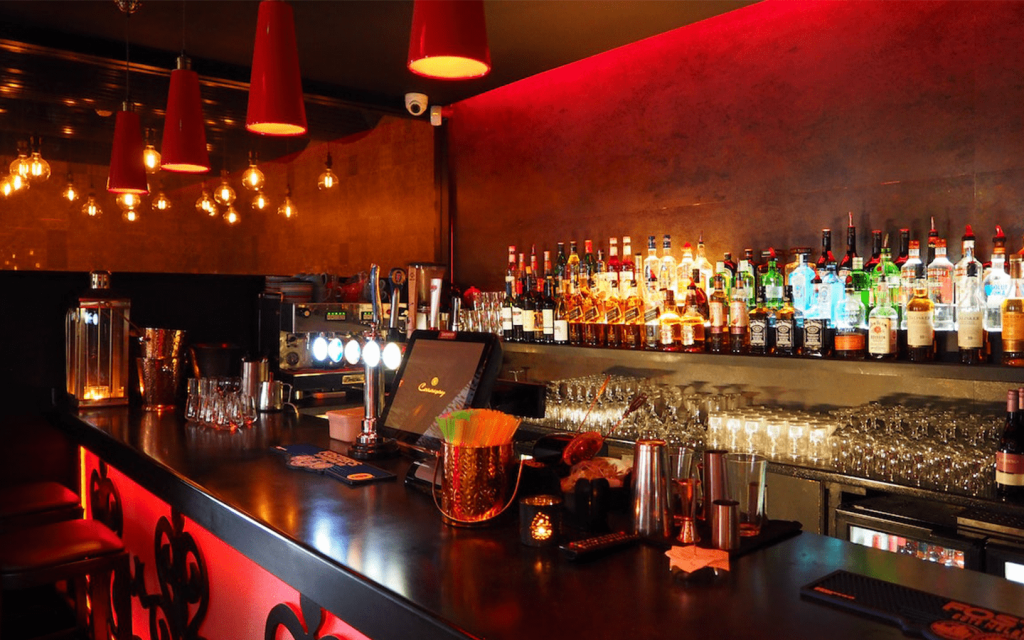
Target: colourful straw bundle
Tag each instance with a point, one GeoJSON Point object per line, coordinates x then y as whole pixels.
{"type": "Point", "coordinates": [477, 427]}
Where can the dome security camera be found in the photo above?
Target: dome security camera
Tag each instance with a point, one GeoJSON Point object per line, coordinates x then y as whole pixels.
{"type": "Point", "coordinates": [416, 103]}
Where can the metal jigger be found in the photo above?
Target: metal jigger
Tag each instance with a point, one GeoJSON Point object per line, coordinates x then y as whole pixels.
{"type": "Point", "coordinates": [370, 444]}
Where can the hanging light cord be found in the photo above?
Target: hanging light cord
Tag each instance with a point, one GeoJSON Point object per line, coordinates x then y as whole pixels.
{"type": "Point", "coordinates": [127, 62]}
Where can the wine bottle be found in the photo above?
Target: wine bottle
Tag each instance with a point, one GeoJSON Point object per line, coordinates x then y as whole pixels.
{"type": "Point", "coordinates": [1010, 455]}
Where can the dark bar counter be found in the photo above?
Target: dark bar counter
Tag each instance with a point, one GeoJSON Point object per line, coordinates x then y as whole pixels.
{"type": "Point", "coordinates": [379, 557]}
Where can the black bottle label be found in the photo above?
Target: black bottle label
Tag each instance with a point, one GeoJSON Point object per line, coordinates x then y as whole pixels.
{"type": "Point", "coordinates": [814, 334]}
{"type": "Point", "coordinates": [758, 332]}
{"type": "Point", "coordinates": [784, 334]}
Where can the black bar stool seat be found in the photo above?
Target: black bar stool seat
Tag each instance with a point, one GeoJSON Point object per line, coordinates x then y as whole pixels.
{"type": "Point", "coordinates": [71, 550]}
{"type": "Point", "coordinates": [36, 503]}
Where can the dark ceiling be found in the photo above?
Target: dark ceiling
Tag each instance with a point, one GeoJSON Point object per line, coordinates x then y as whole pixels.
{"type": "Point", "coordinates": [352, 54]}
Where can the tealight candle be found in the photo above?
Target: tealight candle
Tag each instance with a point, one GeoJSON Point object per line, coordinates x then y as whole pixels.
{"type": "Point", "coordinates": [540, 520]}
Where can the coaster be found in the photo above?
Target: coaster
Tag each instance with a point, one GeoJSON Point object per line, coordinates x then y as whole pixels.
{"type": "Point", "coordinates": [331, 463]}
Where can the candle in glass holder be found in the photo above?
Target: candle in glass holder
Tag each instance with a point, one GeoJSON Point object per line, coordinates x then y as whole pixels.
{"type": "Point", "coordinates": [540, 520]}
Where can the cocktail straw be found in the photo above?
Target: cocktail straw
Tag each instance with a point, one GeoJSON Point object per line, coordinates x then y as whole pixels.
{"type": "Point", "coordinates": [477, 427]}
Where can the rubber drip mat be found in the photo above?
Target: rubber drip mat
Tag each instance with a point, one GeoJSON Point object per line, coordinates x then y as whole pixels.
{"type": "Point", "coordinates": [915, 612]}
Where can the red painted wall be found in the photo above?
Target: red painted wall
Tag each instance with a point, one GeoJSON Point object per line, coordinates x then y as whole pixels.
{"type": "Point", "coordinates": [759, 126]}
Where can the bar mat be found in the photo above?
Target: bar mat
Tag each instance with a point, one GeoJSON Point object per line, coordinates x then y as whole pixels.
{"type": "Point", "coordinates": [311, 458]}
{"type": "Point", "coordinates": [915, 612]}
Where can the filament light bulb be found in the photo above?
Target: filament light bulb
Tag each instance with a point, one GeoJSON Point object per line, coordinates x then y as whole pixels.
{"type": "Point", "coordinates": [327, 179]}
{"type": "Point", "coordinates": [128, 202]}
{"type": "Point", "coordinates": [260, 201]}
{"type": "Point", "coordinates": [205, 204]}
{"type": "Point", "coordinates": [287, 208]}
{"type": "Point", "coordinates": [38, 169]}
{"type": "Point", "coordinates": [161, 202]}
{"type": "Point", "coordinates": [151, 158]}
{"type": "Point", "coordinates": [131, 215]}
{"type": "Point", "coordinates": [92, 208]}
{"type": "Point", "coordinates": [231, 216]}
{"type": "Point", "coordinates": [70, 193]}
{"type": "Point", "coordinates": [253, 178]}
{"type": "Point", "coordinates": [224, 195]}
{"type": "Point", "coordinates": [5, 186]}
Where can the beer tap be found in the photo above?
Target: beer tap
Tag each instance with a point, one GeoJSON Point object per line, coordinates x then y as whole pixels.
{"type": "Point", "coordinates": [370, 444]}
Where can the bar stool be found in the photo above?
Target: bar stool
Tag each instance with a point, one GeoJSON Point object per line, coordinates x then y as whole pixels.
{"type": "Point", "coordinates": [72, 550]}
{"type": "Point", "coordinates": [36, 503]}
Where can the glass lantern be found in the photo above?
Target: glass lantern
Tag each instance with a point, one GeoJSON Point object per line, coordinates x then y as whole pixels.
{"type": "Point", "coordinates": [97, 346]}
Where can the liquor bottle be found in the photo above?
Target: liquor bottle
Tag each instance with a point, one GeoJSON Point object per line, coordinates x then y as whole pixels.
{"type": "Point", "coordinates": [667, 276]}
{"type": "Point", "coordinates": [561, 320]}
{"type": "Point", "coordinates": [967, 257]}
{"type": "Point", "coordinates": [718, 316]}
{"type": "Point", "coordinates": [851, 329]}
{"type": "Point", "coordinates": [572, 266]}
{"type": "Point", "coordinates": [826, 249]}
{"type": "Point", "coordinates": [883, 321]}
{"type": "Point", "coordinates": [830, 295]}
{"type": "Point", "coordinates": [970, 332]}
{"type": "Point", "coordinates": [691, 323]}
{"type": "Point", "coordinates": [670, 324]}
{"type": "Point", "coordinates": [614, 265]}
{"type": "Point", "coordinates": [1010, 455]}
{"type": "Point", "coordinates": [521, 269]}
{"type": "Point", "coordinates": [998, 246]}
{"type": "Point", "coordinates": [730, 264]}
{"type": "Point", "coordinates": [750, 266]}
{"type": "Point", "coordinates": [506, 310]}
{"type": "Point", "coordinates": [651, 267]}
{"type": "Point", "coordinates": [903, 253]}
{"type": "Point", "coordinates": [685, 267]}
{"type": "Point", "coordinates": [614, 306]}
{"type": "Point", "coordinates": [1013, 316]}
{"type": "Point", "coordinates": [786, 319]}
{"type": "Point", "coordinates": [940, 287]}
{"type": "Point", "coordinates": [517, 313]}
{"type": "Point", "coordinates": [739, 320]}
{"type": "Point", "coordinates": [539, 305]}
{"type": "Point", "coordinates": [762, 321]}
{"type": "Point", "coordinates": [626, 266]}
{"type": "Point", "coordinates": [908, 274]}
{"type": "Point", "coordinates": [528, 309]}
{"type": "Point", "coordinates": [699, 293]}
{"type": "Point", "coordinates": [701, 262]}
{"type": "Point", "coordinates": [920, 319]}
{"type": "Point", "coordinates": [599, 276]}
{"type": "Point", "coordinates": [861, 282]}
{"type": "Point", "coordinates": [933, 235]}
{"type": "Point", "coordinates": [534, 265]}
{"type": "Point", "coordinates": [816, 342]}
{"type": "Point", "coordinates": [800, 279]}
{"type": "Point", "coordinates": [547, 266]}
{"type": "Point", "coordinates": [727, 276]}
{"type": "Point", "coordinates": [846, 263]}
{"type": "Point", "coordinates": [588, 261]}
{"type": "Point", "coordinates": [633, 316]}
{"type": "Point", "coordinates": [574, 314]}
{"type": "Point", "coordinates": [561, 277]}
{"type": "Point", "coordinates": [772, 284]}
{"type": "Point", "coordinates": [592, 323]}
{"type": "Point", "coordinates": [794, 262]}
{"type": "Point", "coordinates": [876, 250]}
{"type": "Point", "coordinates": [885, 275]}
{"type": "Point", "coordinates": [746, 282]}
{"type": "Point", "coordinates": [996, 285]}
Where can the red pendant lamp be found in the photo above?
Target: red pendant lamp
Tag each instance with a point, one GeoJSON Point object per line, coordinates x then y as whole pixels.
{"type": "Point", "coordinates": [275, 88]}
{"type": "Point", "coordinates": [449, 39]}
{"type": "Point", "coordinates": [127, 166]}
{"type": "Point", "coordinates": [184, 142]}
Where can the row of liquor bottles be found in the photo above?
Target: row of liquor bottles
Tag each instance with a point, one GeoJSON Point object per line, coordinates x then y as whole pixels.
{"type": "Point", "coordinates": [900, 307]}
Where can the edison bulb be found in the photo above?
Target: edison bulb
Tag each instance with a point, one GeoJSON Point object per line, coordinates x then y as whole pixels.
{"type": "Point", "coordinates": [38, 169]}
{"type": "Point", "coordinates": [224, 195]}
{"type": "Point", "coordinates": [205, 204]}
{"type": "Point", "coordinates": [161, 202]}
{"type": "Point", "coordinates": [18, 182]}
{"type": "Point", "coordinates": [5, 186]}
{"type": "Point", "coordinates": [128, 201]}
{"type": "Point", "coordinates": [70, 193]}
{"type": "Point", "coordinates": [253, 178]}
{"type": "Point", "coordinates": [92, 208]}
{"type": "Point", "coordinates": [131, 215]}
{"type": "Point", "coordinates": [20, 165]}
{"type": "Point", "coordinates": [231, 215]}
{"type": "Point", "coordinates": [327, 180]}
{"type": "Point", "coordinates": [151, 158]}
{"type": "Point", "coordinates": [287, 208]}
{"type": "Point", "coordinates": [260, 201]}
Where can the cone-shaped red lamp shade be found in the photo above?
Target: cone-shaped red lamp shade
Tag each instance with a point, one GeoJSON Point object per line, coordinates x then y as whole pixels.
{"type": "Point", "coordinates": [449, 39]}
{"type": "Point", "coordinates": [184, 144]}
{"type": "Point", "coordinates": [127, 169]}
{"type": "Point", "coordinates": [275, 89]}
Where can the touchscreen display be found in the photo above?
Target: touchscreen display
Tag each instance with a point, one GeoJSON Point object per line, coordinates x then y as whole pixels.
{"type": "Point", "coordinates": [438, 376]}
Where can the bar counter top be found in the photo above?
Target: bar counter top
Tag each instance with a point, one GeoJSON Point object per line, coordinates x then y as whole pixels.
{"type": "Point", "coordinates": [379, 557]}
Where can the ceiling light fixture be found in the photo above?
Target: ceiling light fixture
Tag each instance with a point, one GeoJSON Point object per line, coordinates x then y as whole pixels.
{"type": "Point", "coordinates": [70, 193]}
{"type": "Point", "coordinates": [276, 107]}
{"type": "Point", "coordinates": [328, 179]}
{"type": "Point", "coordinates": [91, 207]}
{"type": "Point", "coordinates": [161, 202]}
{"type": "Point", "coordinates": [184, 142]}
{"type": "Point", "coordinates": [127, 170]}
{"type": "Point", "coordinates": [130, 215]}
{"type": "Point", "coordinates": [287, 208]}
{"type": "Point", "coordinates": [205, 203]}
{"type": "Point", "coordinates": [449, 39]}
{"type": "Point", "coordinates": [38, 169]}
{"type": "Point", "coordinates": [5, 186]}
{"type": "Point", "coordinates": [18, 183]}
{"type": "Point", "coordinates": [253, 178]}
{"type": "Point", "coordinates": [231, 215]}
{"type": "Point", "coordinates": [150, 156]}
{"type": "Point", "coordinates": [127, 201]}
{"type": "Point", "coordinates": [20, 164]}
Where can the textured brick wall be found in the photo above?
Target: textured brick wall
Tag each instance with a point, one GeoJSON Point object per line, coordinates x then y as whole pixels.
{"type": "Point", "coordinates": [386, 193]}
{"type": "Point", "coordinates": [759, 126]}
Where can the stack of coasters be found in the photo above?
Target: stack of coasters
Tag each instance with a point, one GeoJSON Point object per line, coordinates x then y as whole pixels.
{"type": "Point", "coordinates": [331, 463]}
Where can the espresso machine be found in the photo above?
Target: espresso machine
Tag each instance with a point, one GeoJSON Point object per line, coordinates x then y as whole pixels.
{"type": "Point", "coordinates": [304, 342]}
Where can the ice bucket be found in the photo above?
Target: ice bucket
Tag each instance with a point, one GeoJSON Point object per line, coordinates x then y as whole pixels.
{"type": "Point", "coordinates": [476, 486]}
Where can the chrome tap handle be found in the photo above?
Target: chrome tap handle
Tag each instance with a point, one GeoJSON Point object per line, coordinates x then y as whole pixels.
{"type": "Point", "coordinates": [375, 297]}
